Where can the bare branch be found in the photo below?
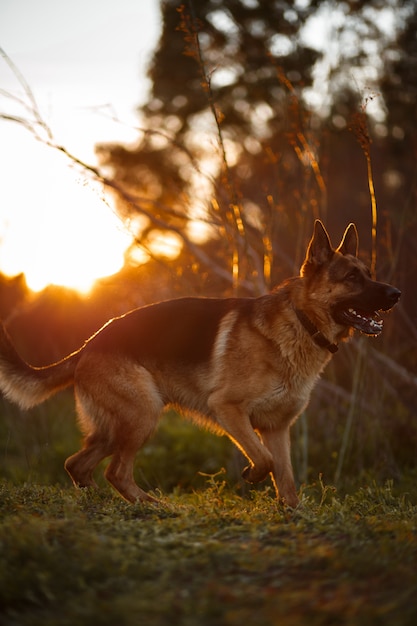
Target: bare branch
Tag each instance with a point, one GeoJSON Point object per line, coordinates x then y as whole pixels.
{"type": "Point", "coordinates": [28, 92]}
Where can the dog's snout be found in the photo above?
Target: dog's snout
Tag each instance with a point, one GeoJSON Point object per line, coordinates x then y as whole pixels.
{"type": "Point", "coordinates": [394, 295]}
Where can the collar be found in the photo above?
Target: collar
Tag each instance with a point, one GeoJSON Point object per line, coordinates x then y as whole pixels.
{"type": "Point", "coordinates": [314, 332]}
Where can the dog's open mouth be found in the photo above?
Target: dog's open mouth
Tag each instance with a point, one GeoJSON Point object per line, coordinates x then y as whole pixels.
{"type": "Point", "coordinates": [365, 322]}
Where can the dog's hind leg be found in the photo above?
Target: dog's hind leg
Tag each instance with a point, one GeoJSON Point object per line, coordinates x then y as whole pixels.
{"type": "Point", "coordinates": [81, 465]}
{"type": "Point", "coordinates": [141, 408]}
{"type": "Point", "coordinates": [119, 473]}
{"type": "Point", "coordinates": [278, 442]}
{"type": "Point", "coordinates": [118, 405]}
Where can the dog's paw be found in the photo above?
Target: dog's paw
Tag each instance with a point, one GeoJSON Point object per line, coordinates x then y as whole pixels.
{"type": "Point", "coordinates": [290, 502]}
{"type": "Point", "coordinates": [253, 474]}
{"type": "Point", "coordinates": [294, 505]}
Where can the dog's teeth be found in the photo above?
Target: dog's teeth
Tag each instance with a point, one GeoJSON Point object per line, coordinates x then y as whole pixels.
{"type": "Point", "coordinates": [375, 324]}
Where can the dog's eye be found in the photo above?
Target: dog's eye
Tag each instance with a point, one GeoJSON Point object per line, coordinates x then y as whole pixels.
{"type": "Point", "coordinates": [353, 275]}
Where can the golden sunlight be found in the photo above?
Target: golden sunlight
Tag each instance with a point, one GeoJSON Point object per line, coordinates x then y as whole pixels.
{"type": "Point", "coordinates": [164, 244]}
{"type": "Point", "coordinates": [54, 227]}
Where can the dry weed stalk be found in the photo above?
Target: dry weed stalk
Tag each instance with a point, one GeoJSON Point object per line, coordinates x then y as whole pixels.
{"type": "Point", "coordinates": [232, 217]}
{"type": "Point", "coordinates": [361, 131]}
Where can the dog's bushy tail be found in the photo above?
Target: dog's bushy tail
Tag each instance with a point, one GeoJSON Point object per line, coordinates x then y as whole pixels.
{"type": "Point", "coordinates": [26, 385]}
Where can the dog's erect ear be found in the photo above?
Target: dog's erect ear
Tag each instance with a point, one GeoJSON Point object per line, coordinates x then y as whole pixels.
{"type": "Point", "coordinates": [349, 243]}
{"type": "Point", "coordinates": [319, 249]}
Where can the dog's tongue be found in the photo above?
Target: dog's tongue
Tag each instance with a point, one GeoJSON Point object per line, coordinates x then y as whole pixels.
{"type": "Point", "coordinates": [370, 324]}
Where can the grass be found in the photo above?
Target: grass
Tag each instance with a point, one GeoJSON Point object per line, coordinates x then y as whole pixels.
{"type": "Point", "coordinates": [212, 554]}
{"type": "Point", "coordinates": [207, 558]}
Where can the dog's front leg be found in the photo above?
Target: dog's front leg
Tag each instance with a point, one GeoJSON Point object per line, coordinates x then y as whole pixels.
{"type": "Point", "coordinates": [235, 421]}
{"type": "Point", "coordinates": [278, 443]}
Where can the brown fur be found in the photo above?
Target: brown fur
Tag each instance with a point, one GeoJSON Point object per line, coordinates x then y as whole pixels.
{"type": "Point", "coordinates": [244, 367]}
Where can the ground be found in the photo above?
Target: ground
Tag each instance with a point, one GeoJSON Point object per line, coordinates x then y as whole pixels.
{"type": "Point", "coordinates": [209, 558]}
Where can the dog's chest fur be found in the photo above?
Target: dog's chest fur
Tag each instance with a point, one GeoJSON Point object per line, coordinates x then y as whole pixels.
{"type": "Point", "coordinates": [249, 368]}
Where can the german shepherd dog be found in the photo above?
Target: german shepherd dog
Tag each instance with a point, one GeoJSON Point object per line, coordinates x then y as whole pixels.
{"type": "Point", "coordinates": [244, 367]}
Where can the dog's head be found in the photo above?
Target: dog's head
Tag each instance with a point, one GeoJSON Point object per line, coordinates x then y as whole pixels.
{"type": "Point", "coordinates": [344, 282]}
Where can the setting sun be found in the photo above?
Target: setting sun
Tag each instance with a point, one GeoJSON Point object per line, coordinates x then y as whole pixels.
{"type": "Point", "coordinates": [84, 82]}
{"type": "Point", "coordinates": [55, 227]}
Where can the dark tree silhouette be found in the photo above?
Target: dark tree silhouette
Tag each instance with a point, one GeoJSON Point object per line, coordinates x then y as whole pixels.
{"type": "Point", "coordinates": [229, 136]}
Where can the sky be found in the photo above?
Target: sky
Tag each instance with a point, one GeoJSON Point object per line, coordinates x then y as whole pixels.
{"type": "Point", "coordinates": [85, 62]}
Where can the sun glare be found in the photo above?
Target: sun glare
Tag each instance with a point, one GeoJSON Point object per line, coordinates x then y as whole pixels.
{"type": "Point", "coordinates": [54, 227]}
{"type": "Point", "coordinates": [165, 245]}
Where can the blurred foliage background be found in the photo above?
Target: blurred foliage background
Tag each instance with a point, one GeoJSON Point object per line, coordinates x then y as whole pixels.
{"type": "Point", "coordinates": [263, 115]}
